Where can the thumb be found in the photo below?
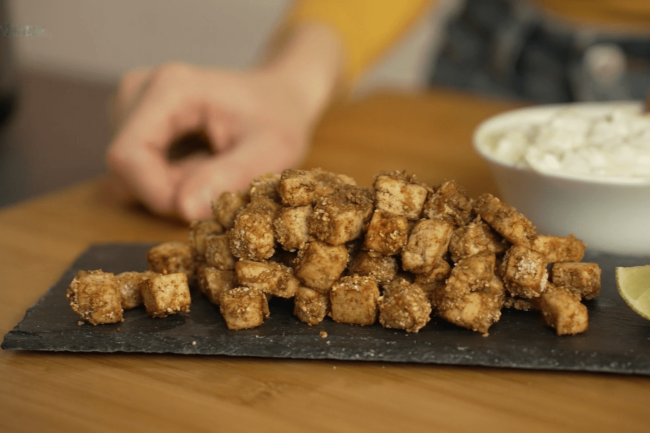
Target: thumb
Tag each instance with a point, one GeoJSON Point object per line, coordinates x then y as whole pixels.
{"type": "Point", "coordinates": [258, 152]}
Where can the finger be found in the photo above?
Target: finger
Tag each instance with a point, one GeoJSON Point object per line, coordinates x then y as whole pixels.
{"type": "Point", "coordinates": [118, 189]}
{"type": "Point", "coordinates": [257, 153]}
{"type": "Point", "coordinates": [131, 84]}
{"type": "Point", "coordinates": [171, 107]}
{"type": "Point", "coordinates": [131, 89]}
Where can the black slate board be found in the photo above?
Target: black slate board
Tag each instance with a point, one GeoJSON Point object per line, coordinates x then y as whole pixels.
{"type": "Point", "coordinates": [618, 340]}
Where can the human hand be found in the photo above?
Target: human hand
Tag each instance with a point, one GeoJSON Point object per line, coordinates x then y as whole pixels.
{"type": "Point", "coordinates": [254, 121]}
{"type": "Point", "coordinates": [257, 122]}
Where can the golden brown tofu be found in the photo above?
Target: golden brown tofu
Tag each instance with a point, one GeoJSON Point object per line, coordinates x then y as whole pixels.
{"type": "Point", "coordinates": [266, 185]}
{"type": "Point", "coordinates": [243, 308]}
{"type": "Point", "coordinates": [563, 311]}
{"type": "Point", "coordinates": [449, 202]}
{"type": "Point", "coordinates": [286, 258]}
{"type": "Point", "coordinates": [387, 233]}
{"type": "Point", "coordinates": [172, 257]}
{"type": "Point", "coordinates": [473, 273]}
{"type": "Point", "coordinates": [252, 236]}
{"type": "Point", "coordinates": [400, 194]}
{"type": "Point", "coordinates": [130, 289]}
{"type": "Point", "coordinates": [341, 216]}
{"type": "Point", "coordinates": [291, 227]}
{"type": "Point", "coordinates": [310, 306]}
{"type": "Point", "coordinates": [475, 238]}
{"type": "Point", "coordinates": [354, 247]}
{"type": "Point", "coordinates": [522, 304]}
{"type": "Point", "coordinates": [164, 295]}
{"type": "Point", "coordinates": [434, 280]}
{"type": "Point", "coordinates": [327, 182]}
{"type": "Point", "coordinates": [505, 219]}
{"type": "Point", "coordinates": [560, 249]}
{"type": "Point", "coordinates": [297, 187]}
{"type": "Point", "coordinates": [428, 241]}
{"type": "Point", "coordinates": [199, 231]}
{"type": "Point", "coordinates": [95, 297]}
{"type": "Point", "coordinates": [524, 272]}
{"type": "Point", "coordinates": [270, 277]}
{"type": "Point", "coordinates": [381, 268]}
{"type": "Point", "coordinates": [213, 281]}
{"type": "Point", "coordinates": [353, 300]}
{"type": "Point", "coordinates": [319, 265]}
{"type": "Point", "coordinates": [477, 310]}
{"type": "Point", "coordinates": [218, 254]}
{"type": "Point", "coordinates": [583, 279]}
{"type": "Point", "coordinates": [404, 306]}
{"type": "Point", "coordinates": [226, 208]}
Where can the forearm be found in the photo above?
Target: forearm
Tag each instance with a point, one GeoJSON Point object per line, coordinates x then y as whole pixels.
{"type": "Point", "coordinates": [310, 64]}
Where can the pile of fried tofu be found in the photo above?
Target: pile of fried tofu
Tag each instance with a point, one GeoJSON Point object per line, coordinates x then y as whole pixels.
{"type": "Point", "coordinates": [396, 253]}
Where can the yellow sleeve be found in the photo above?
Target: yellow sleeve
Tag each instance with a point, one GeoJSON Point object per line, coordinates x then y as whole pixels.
{"type": "Point", "coordinates": [366, 27]}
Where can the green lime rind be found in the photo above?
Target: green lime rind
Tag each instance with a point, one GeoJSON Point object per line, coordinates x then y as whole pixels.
{"type": "Point", "coordinates": [633, 285]}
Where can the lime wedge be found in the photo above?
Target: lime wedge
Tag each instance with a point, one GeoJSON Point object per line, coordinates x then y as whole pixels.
{"type": "Point", "coordinates": [634, 286]}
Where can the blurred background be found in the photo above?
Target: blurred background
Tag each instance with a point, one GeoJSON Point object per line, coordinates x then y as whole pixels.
{"type": "Point", "coordinates": [70, 62]}
{"type": "Point", "coordinates": [61, 60]}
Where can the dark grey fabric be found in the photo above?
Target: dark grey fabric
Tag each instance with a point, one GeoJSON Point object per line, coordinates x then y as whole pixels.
{"type": "Point", "coordinates": [508, 48]}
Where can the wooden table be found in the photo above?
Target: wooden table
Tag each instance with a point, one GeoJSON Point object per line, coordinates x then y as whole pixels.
{"type": "Point", "coordinates": [426, 134]}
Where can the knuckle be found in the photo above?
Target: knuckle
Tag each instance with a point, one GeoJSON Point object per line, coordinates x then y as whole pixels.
{"type": "Point", "coordinates": [171, 73]}
{"type": "Point", "coordinates": [116, 159]}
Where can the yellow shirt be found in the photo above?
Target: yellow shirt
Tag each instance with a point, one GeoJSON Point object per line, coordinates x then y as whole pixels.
{"type": "Point", "coordinates": [369, 27]}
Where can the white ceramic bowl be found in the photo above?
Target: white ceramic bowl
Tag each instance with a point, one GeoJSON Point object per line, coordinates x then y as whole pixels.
{"type": "Point", "coordinates": [610, 216]}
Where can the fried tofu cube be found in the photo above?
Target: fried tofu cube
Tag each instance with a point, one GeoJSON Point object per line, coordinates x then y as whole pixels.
{"type": "Point", "coordinates": [286, 258]}
{"type": "Point", "coordinates": [310, 306]}
{"type": "Point", "coordinates": [522, 304]}
{"type": "Point", "coordinates": [252, 236]}
{"type": "Point", "coordinates": [434, 280]}
{"type": "Point", "coordinates": [297, 187]}
{"type": "Point", "coordinates": [449, 202]}
{"type": "Point", "coordinates": [266, 185]}
{"type": "Point", "coordinates": [171, 258]}
{"type": "Point", "coordinates": [400, 194]}
{"type": "Point", "coordinates": [218, 254]}
{"type": "Point", "coordinates": [243, 308]}
{"type": "Point", "coordinates": [387, 233]}
{"type": "Point", "coordinates": [95, 297]}
{"type": "Point", "coordinates": [270, 277]}
{"type": "Point", "coordinates": [354, 247]}
{"type": "Point", "coordinates": [199, 231]}
{"type": "Point", "coordinates": [428, 241]}
{"type": "Point", "coordinates": [560, 249]}
{"type": "Point", "coordinates": [509, 223]}
{"type": "Point", "coordinates": [226, 208]}
{"type": "Point", "coordinates": [473, 273]}
{"type": "Point", "coordinates": [475, 238]}
{"type": "Point", "coordinates": [381, 268]}
{"type": "Point", "coordinates": [477, 310]}
{"type": "Point", "coordinates": [129, 287]}
{"type": "Point", "coordinates": [327, 182]}
{"type": "Point", "coordinates": [341, 216]}
{"type": "Point", "coordinates": [164, 295]}
{"type": "Point", "coordinates": [404, 306]}
{"type": "Point", "coordinates": [583, 279]}
{"type": "Point", "coordinates": [353, 300]}
{"type": "Point", "coordinates": [319, 265]}
{"type": "Point", "coordinates": [291, 227]}
{"type": "Point", "coordinates": [213, 282]}
{"type": "Point", "coordinates": [524, 272]}
{"type": "Point", "coordinates": [563, 311]}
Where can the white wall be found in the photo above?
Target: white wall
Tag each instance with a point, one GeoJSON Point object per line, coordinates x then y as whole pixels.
{"type": "Point", "coordinates": [102, 39]}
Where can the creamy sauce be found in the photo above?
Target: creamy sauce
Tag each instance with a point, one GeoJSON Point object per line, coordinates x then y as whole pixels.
{"type": "Point", "coordinates": [612, 144]}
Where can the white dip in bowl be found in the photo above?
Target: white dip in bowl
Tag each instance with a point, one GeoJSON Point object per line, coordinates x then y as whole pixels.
{"type": "Point", "coordinates": [576, 168]}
